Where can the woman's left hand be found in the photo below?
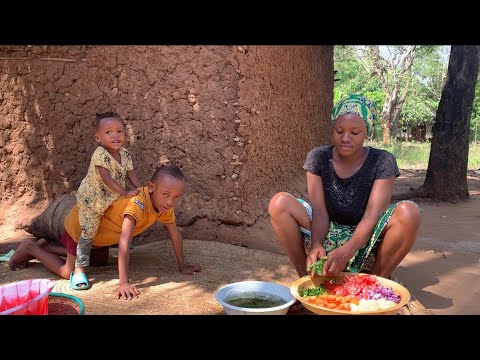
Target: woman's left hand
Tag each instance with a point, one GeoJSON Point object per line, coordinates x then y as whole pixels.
{"type": "Point", "coordinates": [337, 259]}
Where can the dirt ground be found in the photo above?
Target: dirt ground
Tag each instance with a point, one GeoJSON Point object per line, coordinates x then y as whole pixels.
{"type": "Point", "coordinates": [442, 270]}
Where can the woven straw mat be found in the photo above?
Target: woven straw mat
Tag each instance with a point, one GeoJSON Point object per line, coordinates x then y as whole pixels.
{"type": "Point", "coordinates": [163, 289]}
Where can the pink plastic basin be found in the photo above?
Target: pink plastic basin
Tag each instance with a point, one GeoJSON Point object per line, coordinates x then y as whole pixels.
{"type": "Point", "coordinates": [28, 297]}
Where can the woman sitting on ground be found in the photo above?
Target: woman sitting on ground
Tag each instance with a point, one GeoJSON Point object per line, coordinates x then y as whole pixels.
{"type": "Point", "coordinates": [350, 218]}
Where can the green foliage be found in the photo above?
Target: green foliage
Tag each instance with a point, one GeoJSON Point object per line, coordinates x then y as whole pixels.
{"type": "Point", "coordinates": [475, 116]}
{"type": "Point", "coordinates": [418, 110]}
{"type": "Point", "coordinates": [428, 76]}
{"type": "Point", "coordinates": [338, 95]}
{"type": "Point", "coordinates": [378, 96]}
{"type": "Point", "coordinates": [474, 157]}
{"type": "Point", "coordinates": [312, 291]}
{"type": "Point", "coordinates": [353, 78]}
{"type": "Point", "coordinates": [430, 69]}
{"type": "Point", "coordinates": [475, 130]}
{"type": "Point", "coordinates": [429, 72]}
{"type": "Point", "coordinates": [415, 155]}
{"type": "Point", "coordinates": [317, 266]}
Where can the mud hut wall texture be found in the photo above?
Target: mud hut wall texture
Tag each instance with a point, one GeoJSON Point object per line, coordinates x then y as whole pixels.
{"type": "Point", "coordinates": [238, 120]}
{"type": "Point", "coordinates": [285, 100]}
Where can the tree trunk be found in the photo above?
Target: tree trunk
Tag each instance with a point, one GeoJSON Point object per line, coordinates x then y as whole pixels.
{"type": "Point", "coordinates": [387, 117]}
{"type": "Point", "coordinates": [394, 129]}
{"type": "Point", "coordinates": [386, 131]}
{"type": "Point", "coordinates": [446, 177]}
{"type": "Point", "coordinates": [373, 134]}
{"type": "Point", "coordinates": [401, 101]}
{"type": "Point", "coordinates": [398, 110]}
{"type": "Point", "coordinates": [390, 73]}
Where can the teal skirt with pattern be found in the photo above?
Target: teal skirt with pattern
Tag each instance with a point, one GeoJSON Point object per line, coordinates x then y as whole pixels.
{"type": "Point", "coordinates": [339, 234]}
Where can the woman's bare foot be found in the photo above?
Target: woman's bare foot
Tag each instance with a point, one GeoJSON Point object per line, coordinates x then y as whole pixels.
{"type": "Point", "coordinates": [22, 256]}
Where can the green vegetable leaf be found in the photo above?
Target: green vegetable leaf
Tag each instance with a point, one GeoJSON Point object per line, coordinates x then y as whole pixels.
{"type": "Point", "coordinates": [312, 291]}
{"type": "Point", "coordinates": [317, 267]}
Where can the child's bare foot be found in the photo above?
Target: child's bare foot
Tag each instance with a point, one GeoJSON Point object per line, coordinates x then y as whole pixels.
{"type": "Point", "coordinates": [22, 256]}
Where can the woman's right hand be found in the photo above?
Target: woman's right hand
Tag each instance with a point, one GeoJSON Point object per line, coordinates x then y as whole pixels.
{"type": "Point", "coordinates": [315, 253]}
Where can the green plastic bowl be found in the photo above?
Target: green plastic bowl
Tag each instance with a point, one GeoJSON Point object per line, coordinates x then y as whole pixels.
{"type": "Point", "coordinates": [64, 304]}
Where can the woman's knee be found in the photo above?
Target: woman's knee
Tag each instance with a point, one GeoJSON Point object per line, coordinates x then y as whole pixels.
{"type": "Point", "coordinates": [279, 203]}
{"type": "Point", "coordinates": [407, 212]}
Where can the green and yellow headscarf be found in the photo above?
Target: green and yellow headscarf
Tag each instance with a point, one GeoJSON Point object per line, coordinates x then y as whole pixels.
{"type": "Point", "coordinates": [357, 104]}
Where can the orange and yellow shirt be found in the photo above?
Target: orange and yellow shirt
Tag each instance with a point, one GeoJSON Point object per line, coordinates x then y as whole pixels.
{"type": "Point", "coordinates": [139, 206]}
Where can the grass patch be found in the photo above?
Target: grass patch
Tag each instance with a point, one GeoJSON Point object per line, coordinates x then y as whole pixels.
{"type": "Point", "coordinates": [414, 155]}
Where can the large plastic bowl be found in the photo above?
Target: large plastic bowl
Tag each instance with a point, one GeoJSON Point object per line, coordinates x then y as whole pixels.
{"type": "Point", "coordinates": [246, 288]}
{"type": "Point", "coordinates": [64, 304]}
{"type": "Point", "coordinates": [27, 297]}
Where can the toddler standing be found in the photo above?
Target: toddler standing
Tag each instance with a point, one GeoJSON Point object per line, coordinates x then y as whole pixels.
{"type": "Point", "coordinates": [106, 180]}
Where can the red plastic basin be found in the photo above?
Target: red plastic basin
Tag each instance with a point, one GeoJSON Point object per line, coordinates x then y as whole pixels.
{"type": "Point", "coordinates": [27, 297]}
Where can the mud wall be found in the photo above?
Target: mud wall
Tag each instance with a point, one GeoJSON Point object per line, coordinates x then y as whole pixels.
{"type": "Point", "coordinates": [285, 113]}
{"type": "Point", "coordinates": [238, 121]}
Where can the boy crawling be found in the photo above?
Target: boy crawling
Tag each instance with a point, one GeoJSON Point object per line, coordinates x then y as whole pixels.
{"type": "Point", "coordinates": [125, 218]}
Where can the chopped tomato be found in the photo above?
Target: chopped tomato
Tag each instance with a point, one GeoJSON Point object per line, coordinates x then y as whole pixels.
{"type": "Point", "coordinates": [353, 288]}
{"type": "Point", "coordinates": [369, 279]}
{"type": "Point", "coordinates": [351, 278]}
{"type": "Point", "coordinates": [338, 290]}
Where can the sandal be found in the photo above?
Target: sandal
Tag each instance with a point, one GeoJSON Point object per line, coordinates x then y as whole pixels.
{"type": "Point", "coordinates": [7, 256]}
{"type": "Point", "coordinates": [76, 280]}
